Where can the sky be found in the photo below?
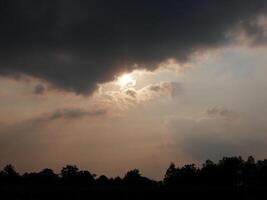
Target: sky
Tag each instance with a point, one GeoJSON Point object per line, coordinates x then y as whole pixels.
{"type": "Point", "coordinates": [114, 85]}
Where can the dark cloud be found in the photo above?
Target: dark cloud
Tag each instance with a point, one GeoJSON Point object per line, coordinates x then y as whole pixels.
{"type": "Point", "coordinates": [131, 92]}
{"type": "Point", "coordinates": [75, 113]}
{"type": "Point", "coordinates": [154, 88]}
{"type": "Point", "coordinates": [75, 45]}
{"type": "Point", "coordinates": [221, 112]}
{"type": "Point", "coordinates": [70, 113]}
{"type": "Point", "coordinates": [39, 89]}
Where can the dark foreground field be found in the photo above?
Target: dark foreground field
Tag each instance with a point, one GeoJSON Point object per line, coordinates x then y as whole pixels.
{"type": "Point", "coordinates": [45, 192]}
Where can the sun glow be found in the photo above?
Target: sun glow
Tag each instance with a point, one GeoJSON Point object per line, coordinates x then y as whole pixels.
{"type": "Point", "coordinates": [126, 81]}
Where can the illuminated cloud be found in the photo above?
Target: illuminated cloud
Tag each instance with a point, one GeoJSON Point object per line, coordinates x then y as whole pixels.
{"type": "Point", "coordinates": [131, 96]}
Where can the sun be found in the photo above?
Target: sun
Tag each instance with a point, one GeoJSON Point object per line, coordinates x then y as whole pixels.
{"type": "Point", "coordinates": [126, 81]}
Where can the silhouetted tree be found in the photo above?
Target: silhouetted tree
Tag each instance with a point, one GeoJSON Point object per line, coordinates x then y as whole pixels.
{"type": "Point", "coordinates": [47, 176]}
{"type": "Point", "coordinates": [31, 178]}
{"type": "Point", "coordinates": [171, 175]}
{"type": "Point", "coordinates": [71, 175]}
{"type": "Point", "coordinates": [230, 171]}
{"type": "Point", "coordinates": [262, 172]}
{"type": "Point", "coordinates": [134, 178]}
{"type": "Point", "coordinates": [85, 177]}
{"type": "Point", "coordinates": [249, 172]}
{"type": "Point", "coordinates": [117, 181]}
{"type": "Point", "coordinates": [9, 174]}
{"type": "Point", "coordinates": [103, 181]}
{"type": "Point", "coordinates": [209, 173]}
{"type": "Point", "coordinates": [186, 175]}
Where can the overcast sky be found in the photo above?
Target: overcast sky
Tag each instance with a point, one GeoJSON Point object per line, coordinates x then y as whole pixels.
{"type": "Point", "coordinates": [118, 84]}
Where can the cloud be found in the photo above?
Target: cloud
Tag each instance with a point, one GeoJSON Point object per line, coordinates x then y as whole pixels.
{"type": "Point", "coordinates": [131, 92]}
{"type": "Point", "coordinates": [131, 96]}
{"type": "Point", "coordinates": [223, 112]}
{"type": "Point", "coordinates": [42, 137]}
{"type": "Point", "coordinates": [70, 114]}
{"type": "Point", "coordinates": [39, 89]}
{"type": "Point", "coordinates": [74, 45]}
{"type": "Point", "coordinates": [162, 89]}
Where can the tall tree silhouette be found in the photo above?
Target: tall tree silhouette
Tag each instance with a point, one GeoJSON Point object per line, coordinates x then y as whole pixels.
{"type": "Point", "coordinates": [134, 178]}
{"type": "Point", "coordinates": [230, 170]}
{"type": "Point", "coordinates": [71, 175]}
{"type": "Point", "coordinates": [171, 175]}
{"type": "Point", "coordinates": [209, 173]}
{"type": "Point", "coordinates": [9, 174]}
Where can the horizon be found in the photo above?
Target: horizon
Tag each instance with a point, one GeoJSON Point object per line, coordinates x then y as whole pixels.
{"type": "Point", "coordinates": [223, 163]}
{"type": "Point", "coordinates": [198, 166]}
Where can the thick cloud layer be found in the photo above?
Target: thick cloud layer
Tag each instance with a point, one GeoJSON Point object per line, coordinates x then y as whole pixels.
{"type": "Point", "coordinates": [76, 44]}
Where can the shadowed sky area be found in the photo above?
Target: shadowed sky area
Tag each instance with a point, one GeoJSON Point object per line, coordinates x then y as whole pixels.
{"type": "Point", "coordinates": [111, 85]}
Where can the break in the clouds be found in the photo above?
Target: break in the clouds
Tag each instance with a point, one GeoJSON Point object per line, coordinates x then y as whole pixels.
{"type": "Point", "coordinates": [74, 45]}
{"type": "Point", "coordinates": [128, 97]}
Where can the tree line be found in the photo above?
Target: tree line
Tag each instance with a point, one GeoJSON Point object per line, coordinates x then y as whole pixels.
{"type": "Point", "coordinates": [229, 171]}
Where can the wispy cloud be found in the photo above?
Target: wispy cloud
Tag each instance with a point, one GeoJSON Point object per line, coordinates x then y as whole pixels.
{"type": "Point", "coordinates": [70, 114]}
{"type": "Point", "coordinates": [220, 111]}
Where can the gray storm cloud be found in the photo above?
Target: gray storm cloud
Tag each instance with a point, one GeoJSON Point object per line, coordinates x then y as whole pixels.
{"type": "Point", "coordinates": [74, 45]}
